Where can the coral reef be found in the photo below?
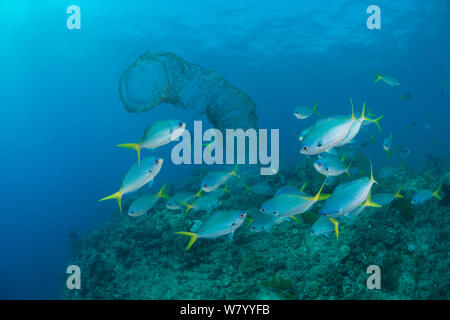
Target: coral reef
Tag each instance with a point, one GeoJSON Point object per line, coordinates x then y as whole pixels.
{"type": "Point", "coordinates": [141, 258]}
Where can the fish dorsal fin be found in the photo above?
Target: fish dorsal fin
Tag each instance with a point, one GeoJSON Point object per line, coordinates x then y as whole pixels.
{"type": "Point", "coordinates": [353, 109]}
{"type": "Point", "coordinates": [363, 117]}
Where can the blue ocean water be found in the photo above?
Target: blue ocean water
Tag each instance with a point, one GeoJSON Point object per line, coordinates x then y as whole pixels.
{"type": "Point", "coordinates": [62, 116]}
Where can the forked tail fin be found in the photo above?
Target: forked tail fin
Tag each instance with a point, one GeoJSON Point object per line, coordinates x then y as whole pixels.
{"type": "Point", "coordinates": [118, 196]}
{"type": "Point", "coordinates": [135, 146]}
{"type": "Point", "coordinates": [193, 237]}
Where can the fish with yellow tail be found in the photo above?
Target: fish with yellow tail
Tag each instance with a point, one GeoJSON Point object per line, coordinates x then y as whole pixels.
{"type": "Point", "coordinates": [425, 195]}
{"type": "Point", "coordinates": [385, 199]}
{"type": "Point", "coordinates": [304, 112]}
{"type": "Point", "coordinates": [176, 201]}
{"type": "Point", "coordinates": [143, 204]}
{"type": "Point", "coordinates": [219, 224]}
{"type": "Point", "coordinates": [349, 196]}
{"type": "Point", "coordinates": [288, 202]}
{"type": "Point", "coordinates": [390, 80]}
{"type": "Point", "coordinates": [325, 226]}
{"type": "Point", "coordinates": [215, 179]}
{"type": "Point", "coordinates": [136, 177]}
{"type": "Point", "coordinates": [206, 203]}
{"type": "Point", "coordinates": [157, 134]}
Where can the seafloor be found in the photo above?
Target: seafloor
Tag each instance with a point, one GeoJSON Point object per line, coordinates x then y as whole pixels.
{"type": "Point", "coordinates": [141, 258]}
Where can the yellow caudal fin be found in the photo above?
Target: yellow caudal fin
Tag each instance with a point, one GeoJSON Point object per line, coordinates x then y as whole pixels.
{"type": "Point", "coordinates": [247, 189]}
{"type": "Point", "coordinates": [343, 157]}
{"type": "Point", "coordinates": [369, 202]}
{"type": "Point", "coordinates": [388, 154]}
{"type": "Point", "coordinates": [336, 227]}
{"type": "Point", "coordinates": [377, 122]}
{"type": "Point", "coordinates": [234, 172]}
{"type": "Point", "coordinates": [398, 194]}
{"type": "Point", "coordinates": [250, 220]}
{"type": "Point", "coordinates": [370, 114]}
{"type": "Point", "coordinates": [188, 207]}
{"type": "Point", "coordinates": [378, 77]}
{"type": "Point", "coordinates": [324, 196]}
{"type": "Point", "coordinates": [226, 189]}
{"type": "Point", "coordinates": [348, 167]}
{"type": "Point", "coordinates": [364, 118]}
{"type": "Point", "coordinates": [193, 237]}
{"type": "Point", "coordinates": [315, 109]}
{"type": "Point", "coordinates": [161, 192]}
{"type": "Point", "coordinates": [402, 165]}
{"type": "Point", "coordinates": [118, 196]}
{"type": "Point", "coordinates": [199, 193]}
{"type": "Point", "coordinates": [135, 146]}
{"type": "Point", "coordinates": [302, 189]}
{"type": "Point", "coordinates": [317, 196]}
{"type": "Point", "coordinates": [436, 193]}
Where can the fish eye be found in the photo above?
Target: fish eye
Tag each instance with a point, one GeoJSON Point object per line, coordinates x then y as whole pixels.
{"type": "Point", "coordinates": [242, 215]}
{"type": "Point", "coordinates": [305, 148]}
{"type": "Point", "coordinates": [263, 210]}
{"type": "Point", "coordinates": [325, 214]}
{"type": "Point", "coordinates": [253, 228]}
{"type": "Point", "coordinates": [319, 145]}
{"type": "Point", "coordinates": [275, 213]}
{"type": "Point", "coordinates": [319, 164]}
{"type": "Point", "coordinates": [180, 124]}
{"type": "Point", "coordinates": [156, 161]}
{"type": "Point", "coordinates": [312, 231]}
